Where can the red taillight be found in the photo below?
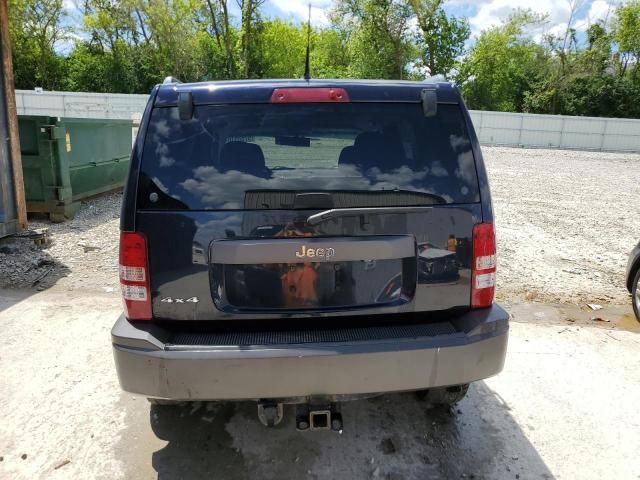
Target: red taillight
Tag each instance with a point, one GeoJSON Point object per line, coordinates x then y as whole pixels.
{"type": "Point", "coordinates": [134, 276]}
{"type": "Point", "coordinates": [309, 95]}
{"type": "Point", "coordinates": [483, 268]}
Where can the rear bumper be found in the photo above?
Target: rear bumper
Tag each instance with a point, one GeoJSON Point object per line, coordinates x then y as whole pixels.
{"type": "Point", "coordinates": [149, 367]}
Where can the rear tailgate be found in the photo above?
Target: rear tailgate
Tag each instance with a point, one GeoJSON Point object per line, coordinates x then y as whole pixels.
{"type": "Point", "coordinates": [191, 282]}
{"type": "Point", "coordinates": [259, 211]}
{"type": "Point", "coordinates": [312, 273]}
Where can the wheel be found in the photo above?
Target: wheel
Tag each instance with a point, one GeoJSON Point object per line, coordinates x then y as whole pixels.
{"type": "Point", "coordinates": [635, 295]}
{"type": "Point", "coordinates": [444, 396]}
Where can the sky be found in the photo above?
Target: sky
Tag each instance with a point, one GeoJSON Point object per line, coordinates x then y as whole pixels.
{"type": "Point", "coordinates": [482, 14]}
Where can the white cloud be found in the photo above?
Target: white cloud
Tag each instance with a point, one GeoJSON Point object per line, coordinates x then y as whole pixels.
{"type": "Point", "coordinates": [298, 10]}
{"type": "Point", "coordinates": [69, 4]}
{"type": "Point", "coordinates": [493, 12]}
{"type": "Point", "coordinates": [66, 44]}
{"type": "Point", "coordinates": [488, 13]}
{"type": "Point", "coordinates": [599, 10]}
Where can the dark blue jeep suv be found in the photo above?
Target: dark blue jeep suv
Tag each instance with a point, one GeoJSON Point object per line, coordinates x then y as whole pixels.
{"type": "Point", "coordinates": [307, 242]}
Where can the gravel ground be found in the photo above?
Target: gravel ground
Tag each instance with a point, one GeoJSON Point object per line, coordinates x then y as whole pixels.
{"type": "Point", "coordinates": [566, 222]}
{"type": "Point", "coordinates": [65, 417]}
{"type": "Point", "coordinates": [83, 252]}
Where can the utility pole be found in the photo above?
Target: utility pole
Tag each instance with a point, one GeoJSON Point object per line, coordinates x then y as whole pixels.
{"type": "Point", "coordinates": [11, 115]}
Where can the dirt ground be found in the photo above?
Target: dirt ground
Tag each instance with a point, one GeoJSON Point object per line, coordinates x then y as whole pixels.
{"type": "Point", "coordinates": [566, 222]}
{"type": "Point", "coordinates": [566, 405]}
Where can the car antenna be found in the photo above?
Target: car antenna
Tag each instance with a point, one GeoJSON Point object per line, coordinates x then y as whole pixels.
{"type": "Point", "coordinates": [307, 73]}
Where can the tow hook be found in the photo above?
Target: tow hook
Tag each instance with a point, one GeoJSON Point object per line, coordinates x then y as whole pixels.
{"type": "Point", "coordinates": [270, 413]}
{"type": "Point", "coordinates": [319, 417]}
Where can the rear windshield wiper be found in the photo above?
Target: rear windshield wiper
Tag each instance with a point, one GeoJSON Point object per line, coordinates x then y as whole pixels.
{"type": "Point", "coordinates": [325, 215]}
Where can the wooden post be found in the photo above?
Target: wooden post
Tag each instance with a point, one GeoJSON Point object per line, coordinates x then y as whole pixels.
{"type": "Point", "coordinates": [12, 114]}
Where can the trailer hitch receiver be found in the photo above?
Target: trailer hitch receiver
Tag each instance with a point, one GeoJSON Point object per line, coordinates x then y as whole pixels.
{"type": "Point", "coordinates": [319, 417]}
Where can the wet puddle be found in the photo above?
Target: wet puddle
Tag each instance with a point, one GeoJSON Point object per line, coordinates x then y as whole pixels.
{"type": "Point", "coordinates": [609, 317]}
{"type": "Point", "coordinates": [628, 322]}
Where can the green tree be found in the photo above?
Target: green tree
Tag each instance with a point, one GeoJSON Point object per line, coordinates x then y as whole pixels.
{"type": "Point", "coordinates": [596, 58]}
{"type": "Point", "coordinates": [377, 35]}
{"type": "Point", "coordinates": [173, 29]}
{"type": "Point", "coordinates": [250, 28]}
{"type": "Point", "coordinates": [329, 54]}
{"type": "Point", "coordinates": [130, 45]}
{"type": "Point", "coordinates": [627, 34]}
{"type": "Point", "coordinates": [442, 37]}
{"type": "Point", "coordinates": [224, 35]}
{"type": "Point", "coordinates": [504, 65]}
{"type": "Point", "coordinates": [283, 50]}
{"type": "Point", "coordinates": [104, 62]}
{"type": "Point", "coordinates": [37, 29]}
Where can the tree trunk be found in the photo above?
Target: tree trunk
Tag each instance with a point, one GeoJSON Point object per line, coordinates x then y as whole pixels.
{"type": "Point", "coordinates": [227, 40]}
{"type": "Point", "coordinates": [245, 37]}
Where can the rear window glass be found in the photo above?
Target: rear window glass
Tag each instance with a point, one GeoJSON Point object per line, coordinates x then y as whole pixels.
{"type": "Point", "coordinates": [264, 156]}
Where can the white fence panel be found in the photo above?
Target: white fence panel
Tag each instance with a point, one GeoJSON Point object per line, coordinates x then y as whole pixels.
{"type": "Point", "coordinates": [493, 128]}
{"type": "Point", "coordinates": [557, 131]}
{"type": "Point", "coordinates": [80, 105]}
{"type": "Point", "coordinates": [617, 126]}
{"type": "Point", "coordinates": [541, 131]}
{"type": "Point", "coordinates": [621, 143]}
{"type": "Point", "coordinates": [498, 129]}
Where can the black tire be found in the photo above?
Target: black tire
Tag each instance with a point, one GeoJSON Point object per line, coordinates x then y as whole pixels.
{"type": "Point", "coordinates": [635, 295]}
{"type": "Point", "coordinates": [444, 396]}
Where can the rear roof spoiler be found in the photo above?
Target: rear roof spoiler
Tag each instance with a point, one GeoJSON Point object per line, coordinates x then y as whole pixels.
{"type": "Point", "coordinates": [247, 92]}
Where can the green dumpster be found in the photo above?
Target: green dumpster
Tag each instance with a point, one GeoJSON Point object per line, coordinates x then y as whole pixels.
{"type": "Point", "coordinates": [67, 160]}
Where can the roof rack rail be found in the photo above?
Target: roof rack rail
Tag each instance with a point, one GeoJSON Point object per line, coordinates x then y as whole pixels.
{"type": "Point", "coordinates": [170, 79]}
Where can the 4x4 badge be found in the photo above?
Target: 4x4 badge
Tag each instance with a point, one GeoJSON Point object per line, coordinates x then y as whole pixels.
{"type": "Point", "coordinates": [179, 300]}
{"type": "Point", "coordinates": [306, 252]}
